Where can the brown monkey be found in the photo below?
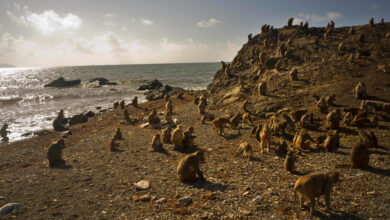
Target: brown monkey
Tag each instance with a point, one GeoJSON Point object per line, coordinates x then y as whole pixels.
{"type": "Point", "coordinates": [54, 153]}
{"type": "Point", "coordinates": [156, 143]}
{"type": "Point", "coordinates": [360, 91]}
{"type": "Point", "coordinates": [228, 72]}
{"type": "Point", "coordinates": [113, 145]}
{"type": "Point", "coordinates": [219, 124]}
{"type": "Point", "coordinates": [360, 156]}
{"type": "Point", "coordinates": [118, 134]}
{"type": "Point", "coordinates": [290, 22]}
{"type": "Point", "coordinates": [330, 99]}
{"type": "Point", "coordinates": [361, 119]}
{"type": "Point", "coordinates": [153, 120]}
{"type": "Point", "coordinates": [245, 149]}
{"type": "Point", "coordinates": [294, 75]}
{"type": "Point", "coordinates": [169, 107]}
{"type": "Point", "coordinates": [296, 115]}
{"type": "Point", "coordinates": [368, 138]}
{"type": "Point", "coordinates": [188, 167]}
{"type": "Point", "coordinates": [314, 185]}
{"type": "Point", "coordinates": [371, 22]}
{"type": "Point", "coordinates": [4, 133]}
{"type": "Point", "coordinates": [58, 123]}
{"type": "Point", "coordinates": [203, 99]}
{"type": "Point", "coordinates": [262, 89]}
{"type": "Point", "coordinates": [177, 136]}
{"type": "Point", "coordinates": [134, 102]}
{"type": "Point", "coordinates": [332, 141]}
{"type": "Point", "coordinates": [196, 101]}
{"type": "Point", "coordinates": [302, 140]}
{"type": "Point", "coordinates": [116, 105]}
{"type": "Point", "coordinates": [305, 121]}
{"type": "Point", "coordinates": [348, 117]}
{"type": "Point", "coordinates": [202, 109]}
{"type": "Point", "coordinates": [235, 122]}
{"type": "Point", "coordinates": [289, 162]}
{"type": "Point", "coordinates": [333, 119]}
{"type": "Point", "coordinates": [127, 116]}
{"type": "Point", "coordinates": [122, 104]}
{"type": "Point", "coordinates": [168, 119]}
{"type": "Point", "coordinates": [265, 138]}
{"type": "Point", "coordinates": [166, 134]}
{"type": "Point", "coordinates": [322, 106]}
{"type": "Point", "coordinates": [188, 141]}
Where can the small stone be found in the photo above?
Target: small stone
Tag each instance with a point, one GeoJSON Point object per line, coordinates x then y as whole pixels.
{"type": "Point", "coordinates": [145, 198]}
{"type": "Point", "coordinates": [245, 193]}
{"type": "Point", "coordinates": [142, 185]}
{"type": "Point", "coordinates": [8, 208]}
{"type": "Point", "coordinates": [246, 212]}
{"type": "Point", "coordinates": [104, 212]}
{"type": "Point", "coordinates": [257, 199]}
{"type": "Point", "coordinates": [185, 201]}
{"type": "Point", "coordinates": [161, 201]}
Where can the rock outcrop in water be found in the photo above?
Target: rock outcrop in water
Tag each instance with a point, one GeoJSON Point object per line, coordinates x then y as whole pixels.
{"type": "Point", "coordinates": [157, 90]}
{"type": "Point", "coordinates": [103, 81]}
{"type": "Point", "coordinates": [61, 82]}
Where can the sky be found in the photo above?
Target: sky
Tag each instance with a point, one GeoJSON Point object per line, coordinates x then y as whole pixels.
{"type": "Point", "coordinates": [101, 32]}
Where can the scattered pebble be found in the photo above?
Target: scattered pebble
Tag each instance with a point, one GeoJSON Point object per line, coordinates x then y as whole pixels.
{"type": "Point", "coordinates": [142, 185]}
{"type": "Point", "coordinates": [184, 201]}
{"type": "Point", "coordinates": [161, 201]}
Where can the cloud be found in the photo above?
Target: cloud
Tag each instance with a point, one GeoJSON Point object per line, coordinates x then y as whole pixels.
{"type": "Point", "coordinates": [317, 18]}
{"type": "Point", "coordinates": [16, 50]}
{"type": "Point", "coordinates": [210, 23]}
{"type": "Point", "coordinates": [48, 22]}
{"type": "Point", "coordinates": [146, 21]}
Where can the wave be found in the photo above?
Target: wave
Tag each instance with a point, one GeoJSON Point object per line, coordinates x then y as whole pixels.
{"type": "Point", "coordinates": [7, 100]}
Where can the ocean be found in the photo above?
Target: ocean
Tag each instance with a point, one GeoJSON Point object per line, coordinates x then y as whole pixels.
{"type": "Point", "coordinates": [26, 106]}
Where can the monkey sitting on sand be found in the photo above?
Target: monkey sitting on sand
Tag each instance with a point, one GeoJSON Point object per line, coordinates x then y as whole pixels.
{"type": "Point", "coordinates": [289, 162]}
{"type": "Point", "coordinates": [188, 168]}
{"type": "Point", "coordinates": [360, 91]}
{"type": "Point", "coordinates": [188, 141]}
{"type": "Point", "coordinates": [265, 138]}
{"type": "Point", "coordinates": [314, 185]}
{"type": "Point", "coordinates": [166, 134]}
{"type": "Point", "coordinates": [54, 153]}
{"type": "Point", "coordinates": [153, 120]}
{"type": "Point", "coordinates": [118, 134]}
{"type": "Point", "coordinates": [156, 143]}
{"type": "Point", "coordinates": [333, 119]}
{"type": "Point", "coordinates": [134, 102]}
{"type": "Point", "coordinates": [177, 136]}
{"type": "Point", "coordinates": [4, 133]}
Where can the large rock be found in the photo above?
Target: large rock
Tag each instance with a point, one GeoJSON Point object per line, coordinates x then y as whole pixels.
{"type": "Point", "coordinates": [78, 119]}
{"type": "Point", "coordinates": [158, 93]}
{"type": "Point", "coordinates": [61, 82]}
{"type": "Point", "coordinates": [103, 81]}
{"type": "Point", "coordinates": [8, 208]}
{"type": "Point", "coordinates": [152, 85]}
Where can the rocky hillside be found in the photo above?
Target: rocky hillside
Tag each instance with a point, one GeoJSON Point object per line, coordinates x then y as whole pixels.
{"type": "Point", "coordinates": [328, 61]}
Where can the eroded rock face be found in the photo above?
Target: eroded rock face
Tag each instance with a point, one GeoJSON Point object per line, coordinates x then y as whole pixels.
{"type": "Point", "coordinates": [78, 119]}
{"type": "Point", "coordinates": [152, 85]}
{"type": "Point", "coordinates": [61, 82]}
{"type": "Point", "coordinates": [103, 81]}
{"type": "Point", "coordinates": [158, 91]}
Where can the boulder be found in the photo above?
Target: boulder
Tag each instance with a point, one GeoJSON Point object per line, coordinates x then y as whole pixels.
{"type": "Point", "coordinates": [158, 93]}
{"type": "Point", "coordinates": [78, 119]}
{"type": "Point", "coordinates": [61, 82]}
{"type": "Point", "coordinates": [152, 85]}
{"type": "Point", "coordinates": [8, 208]}
{"type": "Point", "coordinates": [90, 114]}
{"type": "Point", "coordinates": [103, 81]}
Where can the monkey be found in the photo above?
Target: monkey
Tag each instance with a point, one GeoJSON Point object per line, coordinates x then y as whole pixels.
{"type": "Point", "coordinates": [249, 37]}
{"type": "Point", "coordinates": [265, 138]}
{"type": "Point", "coordinates": [166, 134]}
{"type": "Point", "coordinates": [246, 117]}
{"type": "Point", "coordinates": [134, 102]}
{"type": "Point", "coordinates": [188, 168]}
{"type": "Point", "coordinates": [58, 123]}
{"type": "Point", "coordinates": [282, 146]}
{"type": "Point", "coordinates": [262, 89]}
{"type": "Point", "coordinates": [177, 136]}
{"type": "Point", "coordinates": [245, 149]}
{"type": "Point", "coordinates": [360, 156]}
{"type": "Point", "coordinates": [219, 124]}
{"type": "Point", "coordinates": [296, 115]}
{"type": "Point", "coordinates": [302, 140]}
{"type": "Point", "coordinates": [188, 141]}
{"type": "Point", "coordinates": [235, 122]}
{"type": "Point", "coordinates": [351, 30]}
{"type": "Point", "coordinates": [333, 119]}
{"type": "Point", "coordinates": [354, 111]}
{"type": "Point", "coordinates": [330, 99]}
{"type": "Point", "coordinates": [127, 116]}
{"type": "Point", "coordinates": [227, 72]}
{"type": "Point", "coordinates": [289, 164]}
{"type": "Point", "coordinates": [371, 105]}
{"type": "Point", "coordinates": [289, 122]}
{"type": "Point", "coordinates": [203, 119]}
{"type": "Point", "coordinates": [348, 117]}
{"type": "Point", "coordinates": [360, 91]}
{"type": "Point", "coordinates": [361, 119]}
{"type": "Point", "coordinates": [277, 127]}
{"type": "Point", "coordinates": [156, 143]}
{"type": "Point", "coordinates": [196, 101]}
{"type": "Point", "coordinates": [294, 75]}
{"type": "Point", "coordinates": [113, 145]}
{"type": "Point", "coordinates": [54, 153]}
{"type": "Point", "coordinates": [169, 107]}
{"type": "Point", "coordinates": [368, 138]}
{"type": "Point", "coordinates": [371, 22]}
{"type": "Point", "coordinates": [374, 122]}
{"type": "Point", "coordinates": [306, 26]}
{"type": "Point", "coordinates": [290, 22]}
{"type": "Point", "coordinates": [321, 106]}
{"type": "Point", "coordinates": [203, 99]}
{"type": "Point", "coordinates": [168, 119]}
{"type": "Point", "coordinates": [202, 108]}
{"type": "Point", "coordinates": [320, 140]}
{"type": "Point", "coordinates": [314, 185]}
{"type": "Point", "coordinates": [153, 120]}
{"type": "Point", "coordinates": [4, 133]}
{"type": "Point", "coordinates": [382, 22]}
{"type": "Point", "coordinates": [116, 105]}
{"type": "Point", "coordinates": [332, 141]}
{"type": "Point", "coordinates": [223, 65]}
{"type": "Point", "coordinates": [118, 134]}
{"type": "Point", "coordinates": [332, 24]}
{"type": "Point", "coordinates": [305, 121]}
{"type": "Point", "coordinates": [122, 104]}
